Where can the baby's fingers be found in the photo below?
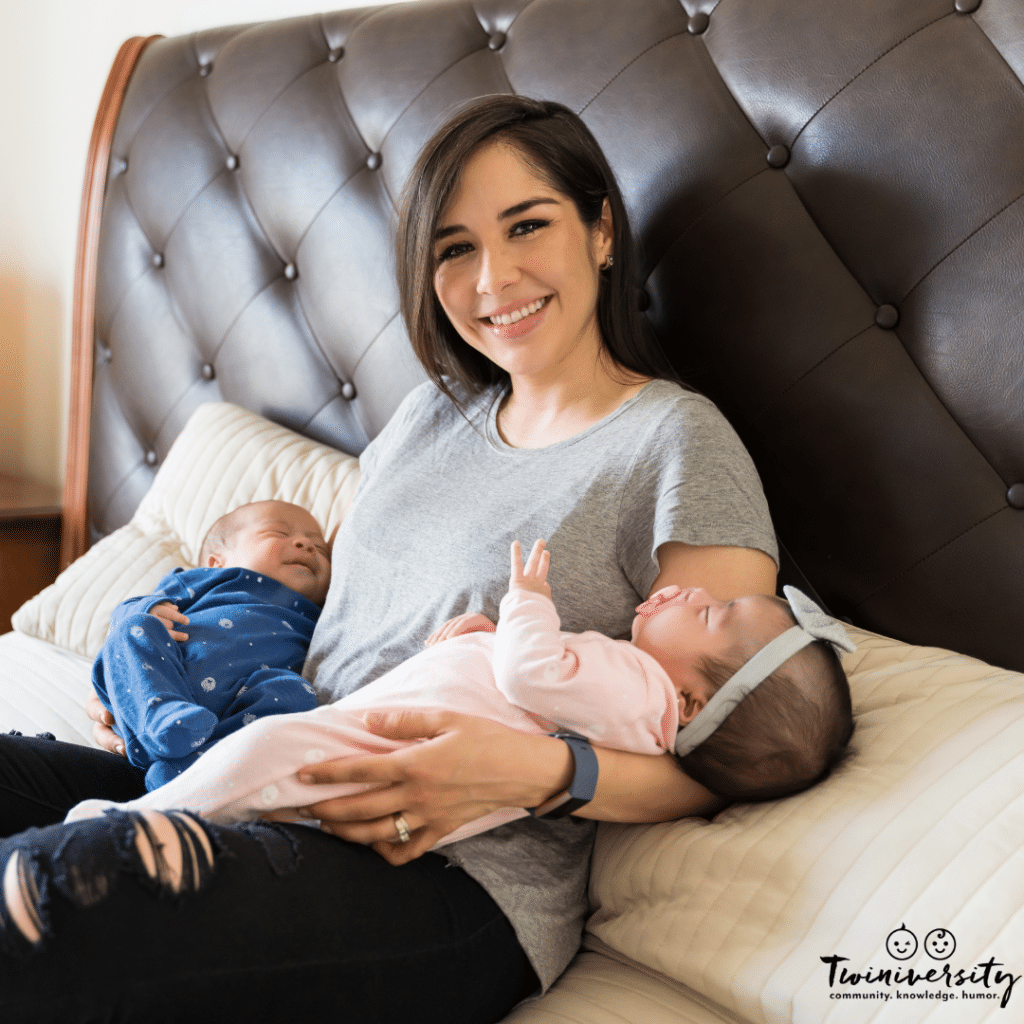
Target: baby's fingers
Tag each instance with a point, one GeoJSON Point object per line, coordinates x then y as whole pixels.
{"type": "Point", "coordinates": [516, 573]}
{"type": "Point", "coordinates": [538, 562]}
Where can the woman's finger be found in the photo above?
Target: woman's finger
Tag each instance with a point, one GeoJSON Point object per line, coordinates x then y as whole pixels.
{"type": "Point", "coordinates": [398, 854]}
{"type": "Point", "coordinates": [379, 830]}
{"type": "Point", "coordinates": [359, 809]}
{"type": "Point", "coordinates": [106, 738]}
{"type": "Point", "coordinates": [95, 709]}
{"type": "Point", "coordinates": [407, 724]}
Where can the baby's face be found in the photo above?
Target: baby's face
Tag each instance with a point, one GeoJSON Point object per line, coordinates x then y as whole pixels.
{"type": "Point", "coordinates": [284, 542]}
{"type": "Point", "coordinates": [679, 627]}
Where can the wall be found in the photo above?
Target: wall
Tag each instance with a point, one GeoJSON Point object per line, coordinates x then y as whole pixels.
{"type": "Point", "coordinates": [54, 60]}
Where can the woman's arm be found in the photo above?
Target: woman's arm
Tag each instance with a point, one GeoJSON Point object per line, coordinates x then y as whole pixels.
{"type": "Point", "coordinates": [468, 767]}
{"type": "Point", "coordinates": [637, 787]}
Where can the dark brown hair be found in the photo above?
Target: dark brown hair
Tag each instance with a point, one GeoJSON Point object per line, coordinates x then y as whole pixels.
{"type": "Point", "coordinates": [561, 151]}
{"type": "Point", "coordinates": [787, 735]}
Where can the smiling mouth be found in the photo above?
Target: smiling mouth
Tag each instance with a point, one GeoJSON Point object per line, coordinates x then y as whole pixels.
{"type": "Point", "coordinates": [515, 315]}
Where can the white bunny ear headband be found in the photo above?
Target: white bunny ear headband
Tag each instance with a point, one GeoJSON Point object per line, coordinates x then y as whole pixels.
{"type": "Point", "coordinates": [814, 624]}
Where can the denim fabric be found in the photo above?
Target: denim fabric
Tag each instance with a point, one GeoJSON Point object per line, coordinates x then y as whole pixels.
{"type": "Point", "coordinates": [269, 922]}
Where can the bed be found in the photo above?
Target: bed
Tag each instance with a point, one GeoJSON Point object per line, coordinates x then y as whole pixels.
{"type": "Point", "coordinates": [829, 202]}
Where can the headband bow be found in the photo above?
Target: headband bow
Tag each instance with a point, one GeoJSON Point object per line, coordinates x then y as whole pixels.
{"type": "Point", "coordinates": [813, 624]}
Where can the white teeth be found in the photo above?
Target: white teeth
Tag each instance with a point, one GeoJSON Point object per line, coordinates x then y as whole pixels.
{"type": "Point", "coordinates": [517, 314]}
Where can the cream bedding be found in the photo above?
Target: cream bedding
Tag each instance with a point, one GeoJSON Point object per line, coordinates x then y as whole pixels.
{"type": "Point", "coordinates": [696, 922]}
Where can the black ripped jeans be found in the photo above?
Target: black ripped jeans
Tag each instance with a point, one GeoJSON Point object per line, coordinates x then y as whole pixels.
{"type": "Point", "coordinates": [268, 923]}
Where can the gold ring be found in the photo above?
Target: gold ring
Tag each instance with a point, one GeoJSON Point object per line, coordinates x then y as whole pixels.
{"type": "Point", "coordinates": [401, 827]}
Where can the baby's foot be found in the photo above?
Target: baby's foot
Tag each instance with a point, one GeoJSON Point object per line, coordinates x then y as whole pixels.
{"type": "Point", "coordinates": [177, 728]}
{"type": "Point", "coordinates": [90, 809]}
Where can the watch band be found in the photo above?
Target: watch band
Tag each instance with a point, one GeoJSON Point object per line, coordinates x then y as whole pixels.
{"type": "Point", "coordinates": [584, 780]}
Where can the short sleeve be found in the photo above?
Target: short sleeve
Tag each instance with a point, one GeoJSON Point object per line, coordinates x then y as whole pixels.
{"type": "Point", "coordinates": [397, 429]}
{"type": "Point", "coordinates": [692, 481]}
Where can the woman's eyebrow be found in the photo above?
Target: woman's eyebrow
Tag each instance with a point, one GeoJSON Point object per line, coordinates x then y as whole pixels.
{"type": "Point", "coordinates": [526, 204]}
{"type": "Point", "coordinates": [512, 211]}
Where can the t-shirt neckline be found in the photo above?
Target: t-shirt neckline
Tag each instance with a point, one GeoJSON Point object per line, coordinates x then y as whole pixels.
{"type": "Point", "coordinates": [497, 444]}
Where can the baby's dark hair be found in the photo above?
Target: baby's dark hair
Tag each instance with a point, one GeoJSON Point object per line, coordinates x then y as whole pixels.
{"type": "Point", "coordinates": [785, 736]}
{"type": "Point", "coordinates": [219, 536]}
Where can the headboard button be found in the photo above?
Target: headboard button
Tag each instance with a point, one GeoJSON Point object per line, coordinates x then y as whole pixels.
{"type": "Point", "coordinates": [887, 317]}
{"type": "Point", "coordinates": [497, 41]}
{"type": "Point", "coordinates": [373, 161]}
{"type": "Point", "coordinates": [698, 24]}
{"type": "Point", "coordinates": [122, 166]}
{"type": "Point", "coordinates": [348, 391]}
{"type": "Point", "coordinates": [205, 69]}
{"type": "Point", "coordinates": [291, 271]}
{"type": "Point", "coordinates": [1015, 495]}
{"type": "Point", "coordinates": [208, 372]}
{"type": "Point", "coordinates": [232, 162]}
{"type": "Point", "coordinates": [336, 54]}
{"type": "Point", "coordinates": [778, 156]}
{"type": "Point", "coordinates": [967, 6]}
{"type": "Point", "coordinates": [150, 458]}
{"type": "Point", "coordinates": [157, 259]}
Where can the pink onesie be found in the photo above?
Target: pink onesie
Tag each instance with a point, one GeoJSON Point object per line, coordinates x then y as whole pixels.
{"type": "Point", "coordinates": [527, 675]}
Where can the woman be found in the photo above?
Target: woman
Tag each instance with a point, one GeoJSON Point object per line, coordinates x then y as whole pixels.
{"type": "Point", "coordinates": [549, 415]}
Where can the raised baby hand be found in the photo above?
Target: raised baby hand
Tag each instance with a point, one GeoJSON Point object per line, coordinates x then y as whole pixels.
{"type": "Point", "coordinates": [534, 576]}
{"type": "Point", "coordinates": [169, 615]}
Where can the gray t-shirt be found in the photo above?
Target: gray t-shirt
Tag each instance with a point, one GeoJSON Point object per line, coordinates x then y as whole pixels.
{"type": "Point", "coordinates": [427, 538]}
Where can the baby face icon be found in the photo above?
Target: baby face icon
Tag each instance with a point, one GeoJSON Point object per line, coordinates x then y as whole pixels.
{"type": "Point", "coordinates": [939, 944]}
{"type": "Point", "coordinates": [901, 943]}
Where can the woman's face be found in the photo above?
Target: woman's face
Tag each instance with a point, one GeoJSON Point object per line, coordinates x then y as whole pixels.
{"type": "Point", "coordinates": [518, 271]}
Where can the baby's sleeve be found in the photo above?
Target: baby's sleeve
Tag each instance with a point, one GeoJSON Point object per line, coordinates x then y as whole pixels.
{"type": "Point", "coordinates": [584, 682]}
{"type": "Point", "coordinates": [170, 588]}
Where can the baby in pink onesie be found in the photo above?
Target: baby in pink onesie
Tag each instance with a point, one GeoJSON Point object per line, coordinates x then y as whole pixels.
{"type": "Point", "coordinates": [630, 695]}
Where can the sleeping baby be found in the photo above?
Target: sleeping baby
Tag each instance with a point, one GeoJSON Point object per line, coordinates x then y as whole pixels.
{"type": "Point", "coordinates": [748, 694]}
{"type": "Point", "coordinates": [252, 605]}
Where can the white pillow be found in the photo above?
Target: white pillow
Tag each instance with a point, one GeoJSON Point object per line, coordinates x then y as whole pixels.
{"type": "Point", "coordinates": [922, 828]}
{"type": "Point", "coordinates": [224, 457]}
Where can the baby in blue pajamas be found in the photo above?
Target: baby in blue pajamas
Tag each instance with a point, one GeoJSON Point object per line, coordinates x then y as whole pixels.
{"type": "Point", "coordinates": [251, 608]}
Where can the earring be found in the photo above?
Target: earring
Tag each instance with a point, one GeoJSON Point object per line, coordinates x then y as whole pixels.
{"type": "Point", "coordinates": [608, 261]}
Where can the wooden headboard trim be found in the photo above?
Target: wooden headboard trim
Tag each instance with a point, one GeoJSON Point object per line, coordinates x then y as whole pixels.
{"type": "Point", "coordinates": [75, 516]}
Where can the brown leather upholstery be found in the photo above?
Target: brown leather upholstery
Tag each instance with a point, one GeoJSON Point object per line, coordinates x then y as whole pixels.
{"type": "Point", "coordinates": [828, 196]}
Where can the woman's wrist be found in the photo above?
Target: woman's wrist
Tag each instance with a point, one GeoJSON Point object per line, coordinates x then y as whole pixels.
{"type": "Point", "coordinates": [583, 785]}
{"type": "Point", "coordinates": [547, 769]}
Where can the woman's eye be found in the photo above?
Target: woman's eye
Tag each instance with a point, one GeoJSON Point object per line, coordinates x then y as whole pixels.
{"type": "Point", "coordinates": [527, 227]}
{"type": "Point", "coordinates": [452, 251]}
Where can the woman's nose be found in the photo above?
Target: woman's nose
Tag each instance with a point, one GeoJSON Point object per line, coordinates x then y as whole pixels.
{"type": "Point", "coordinates": [497, 271]}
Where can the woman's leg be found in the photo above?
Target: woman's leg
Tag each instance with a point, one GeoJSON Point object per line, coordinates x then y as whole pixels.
{"type": "Point", "coordinates": [42, 779]}
{"type": "Point", "coordinates": [164, 918]}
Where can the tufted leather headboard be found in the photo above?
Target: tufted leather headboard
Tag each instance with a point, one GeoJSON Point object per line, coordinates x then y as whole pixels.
{"type": "Point", "coordinates": [829, 201]}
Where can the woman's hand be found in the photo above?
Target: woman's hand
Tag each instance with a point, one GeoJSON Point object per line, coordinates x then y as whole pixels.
{"type": "Point", "coordinates": [535, 576]}
{"type": "Point", "coordinates": [465, 768]}
{"type": "Point", "coordinates": [102, 731]}
{"type": "Point", "coordinates": [169, 615]}
{"type": "Point", "coordinates": [471, 622]}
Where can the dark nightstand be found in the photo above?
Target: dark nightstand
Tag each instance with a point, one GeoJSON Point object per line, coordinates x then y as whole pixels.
{"type": "Point", "coordinates": [29, 542]}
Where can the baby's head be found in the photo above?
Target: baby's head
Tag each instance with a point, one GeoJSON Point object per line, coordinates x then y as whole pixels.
{"type": "Point", "coordinates": [788, 732]}
{"type": "Point", "coordinates": [273, 538]}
